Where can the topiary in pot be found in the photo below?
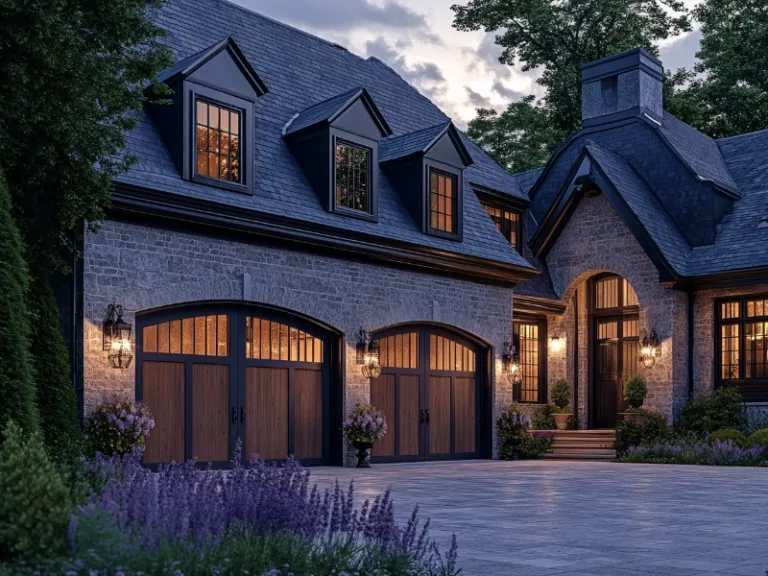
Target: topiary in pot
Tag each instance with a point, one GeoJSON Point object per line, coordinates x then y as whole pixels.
{"type": "Point", "coordinates": [561, 396]}
{"type": "Point", "coordinates": [635, 391]}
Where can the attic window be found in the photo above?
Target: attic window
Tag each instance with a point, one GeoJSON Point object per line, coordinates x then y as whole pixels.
{"type": "Point", "coordinates": [353, 177]}
{"type": "Point", "coordinates": [442, 202]}
{"type": "Point", "coordinates": [217, 141]}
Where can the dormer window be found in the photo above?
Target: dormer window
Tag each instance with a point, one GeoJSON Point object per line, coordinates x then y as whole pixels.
{"type": "Point", "coordinates": [352, 176]}
{"type": "Point", "coordinates": [507, 222]}
{"type": "Point", "coordinates": [217, 141]}
{"type": "Point", "coordinates": [442, 202]}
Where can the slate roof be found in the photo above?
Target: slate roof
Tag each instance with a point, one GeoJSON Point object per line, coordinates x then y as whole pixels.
{"type": "Point", "coordinates": [302, 71]}
{"type": "Point", "coordinates": [406, 144]}
{"type": "Point", "coordinates": [644, 205]}
{"type": "Point", "coordinates": [323, 111]}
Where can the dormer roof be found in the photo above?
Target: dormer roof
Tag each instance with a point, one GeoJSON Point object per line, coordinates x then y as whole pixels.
{"type": "Point", "coordinates": [421, 142]}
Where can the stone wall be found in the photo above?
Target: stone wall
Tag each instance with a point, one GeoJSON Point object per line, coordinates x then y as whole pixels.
{"type": "Point", "coordinates": [143, 267]}
{"type": "Point", "coordinates": [596, 240]}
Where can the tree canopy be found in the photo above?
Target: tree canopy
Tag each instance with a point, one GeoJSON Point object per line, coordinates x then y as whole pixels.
{"type": "Point", "coordinates": [72, 76]}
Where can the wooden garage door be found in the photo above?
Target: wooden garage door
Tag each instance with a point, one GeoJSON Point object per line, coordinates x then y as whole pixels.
{"type": "Point", "coordinates": [211, 378]}
{"type": "Point", "coordinates": [428, 390]}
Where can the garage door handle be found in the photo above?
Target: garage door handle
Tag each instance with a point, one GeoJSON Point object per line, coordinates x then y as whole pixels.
{"type": "Point", "coordinates": [242, 415]}
{"type": "Point", "coordinates": [234, 415]}
{"type": "Point", "coordinates": [421, 416]}
{"type": "Point", "coordinates": [426, 412]}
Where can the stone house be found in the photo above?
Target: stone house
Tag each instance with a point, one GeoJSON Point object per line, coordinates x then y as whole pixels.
{"type": "Point", "coordinates": [297, 203]}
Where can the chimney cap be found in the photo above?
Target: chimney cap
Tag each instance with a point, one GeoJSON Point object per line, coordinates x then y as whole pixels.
{"type": "Point", "coordinates": [637, 58]}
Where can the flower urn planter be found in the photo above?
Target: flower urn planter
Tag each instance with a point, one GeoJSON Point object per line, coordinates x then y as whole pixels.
{"type": "Point", "coordinates": [362, 453]}
{"type": "Point", "coordinates": [561, 421]}
{"type": "Point", "coordinates": [635, 417]}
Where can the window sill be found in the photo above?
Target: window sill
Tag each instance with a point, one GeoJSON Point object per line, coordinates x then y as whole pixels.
{"type": "Point", "coordinates": [444, 235]}
{"type": "Point", "coordinates": [222, 184]}
{"type": "Point", "coordinates": [359, 214]}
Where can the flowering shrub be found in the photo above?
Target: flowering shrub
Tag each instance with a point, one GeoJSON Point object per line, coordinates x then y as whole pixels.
{"type": "Point", "coordinates": [118, 427]}
{"type": "Point", "coordinates": [688, 451]}
{"type": "Point", "coordinates": [259, 517]}
{"type": "Point", "coordinates": [516, 438]}
{"type": "Point", "coordinates": [365, 424]}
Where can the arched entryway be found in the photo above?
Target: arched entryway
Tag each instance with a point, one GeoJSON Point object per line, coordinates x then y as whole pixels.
{"type": "Point", "coordinates": [614, 330]}
{"type": "Point", "coordinates": [434, 391]}
{"type": "Point", "coordinates": [218, 371]}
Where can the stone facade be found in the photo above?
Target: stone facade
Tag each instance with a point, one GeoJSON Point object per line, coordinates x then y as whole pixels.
{"type": "Point", "coordinates": [596, 240]}
{"type": "Point", "coordinates": [144, 268]}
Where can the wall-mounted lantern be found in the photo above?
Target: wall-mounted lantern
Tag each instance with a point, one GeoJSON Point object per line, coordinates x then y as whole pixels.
{"type": "Point", "coordinates": [557, 343]}
{"type": "Point", "coordinates": [650, 348]}
{"type": "Point", "coordinates": [367, 355]}
{"type": "Point", "coordinates": [510, 363]}
{"type": "Point", "coordinates": [117, 337]}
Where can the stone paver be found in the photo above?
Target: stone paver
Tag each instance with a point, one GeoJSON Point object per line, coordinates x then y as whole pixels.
{"type": "Point", "coordinates": [536, 518]}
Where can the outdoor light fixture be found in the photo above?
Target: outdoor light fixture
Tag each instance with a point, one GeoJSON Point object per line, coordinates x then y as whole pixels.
{"type": "Point", "coordinates": [367, 355]}
{"type": "Point", "coordinates": [510, 363]}
{"type": "Point", "coordinates": [650, 348]}
{"type": "Point", "coordinates": [557, 343]}
{"type": "Point", "coordinates": [117, 337]}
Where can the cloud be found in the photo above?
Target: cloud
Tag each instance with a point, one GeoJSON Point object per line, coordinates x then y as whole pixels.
{"type": "Point", "coordinates": [339, 14]}
{"type": "Point", "coordinates": [418, 74]}
{"type": "Point", "coordinates": [488, 52]}
{"type": "Point", "coordinates": [505, 92]}
{"type": "Point", "coordinates": [681, 53]}
{"type": "Point", "coordinates": [476, 99]}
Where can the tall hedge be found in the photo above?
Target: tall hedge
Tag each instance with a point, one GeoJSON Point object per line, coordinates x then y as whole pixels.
{"type": "Point", "coordinates": [17, 388]}
{"type": "Point", "coordinates": [56, 399]}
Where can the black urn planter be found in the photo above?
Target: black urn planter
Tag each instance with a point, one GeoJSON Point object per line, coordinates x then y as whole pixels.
{"type": "Point", "coordinates": [362, 453]}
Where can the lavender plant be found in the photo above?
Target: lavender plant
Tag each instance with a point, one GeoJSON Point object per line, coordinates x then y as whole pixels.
{"type": "Point", "coordinates": [687, 451]}
{"type": "Point", "coordinates": [365, 424]}
{"type": "Point", "coordinates": [118, 427]}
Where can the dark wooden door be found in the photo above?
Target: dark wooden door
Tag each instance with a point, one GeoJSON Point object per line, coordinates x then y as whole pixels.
{"type": "Point", "coordinates": [428, 391]}
{"type": "Point", "coordinates": [606, 374]}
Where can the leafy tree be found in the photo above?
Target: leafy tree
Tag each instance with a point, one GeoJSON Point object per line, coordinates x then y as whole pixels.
{"type": "Point", "coordinates": [72, 76]}
{"type": "Point", "coordinates": [560, 36]}
{"type": "Point", "coordinates": [17, 388]}
{"type": "Point", "coordinates": [727, 92]}
{"type": "Point", "coordinates": [56, 398]}
{"type": "Point", "coordinates": [520, 138]}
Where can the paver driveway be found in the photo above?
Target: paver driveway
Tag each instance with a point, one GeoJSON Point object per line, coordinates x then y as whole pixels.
{"type": "Point", "coordinates": [533, 518]}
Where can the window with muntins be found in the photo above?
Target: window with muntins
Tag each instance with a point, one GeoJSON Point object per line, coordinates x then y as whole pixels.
{"type": "Point", "coordinates": [217, 141]}
{"type": "Point", "coordinates": [742, 334]}
{"type": "Point", "coordinates": [353, 177]}
{"type": "Point", "coordinates": [507, 222]}
{"type": "Point", "coordinates": [442, 202]}
{"type": "Point", "coordinates": [529, 340]}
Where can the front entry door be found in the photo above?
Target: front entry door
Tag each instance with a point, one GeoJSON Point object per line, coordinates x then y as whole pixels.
{"type": "Point", "coordinates": [615, 345]}
{"type": "Point", "coordinates": [429, 393]}
{"type": "Point", "coordinates": [212, 376]}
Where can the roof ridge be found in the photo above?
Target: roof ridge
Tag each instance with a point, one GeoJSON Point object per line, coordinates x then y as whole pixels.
{"type": "Point", "coordinates": [745, 134]}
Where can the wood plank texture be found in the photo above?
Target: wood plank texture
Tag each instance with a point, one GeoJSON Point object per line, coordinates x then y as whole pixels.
{"type": "Point", "coordinates": [266, 412]}
{"type": "Point", "coordinates": [383, 398]}
{"type": "Point", "coordinates": [439, 398]}
{"type": "Point", "coordinates": [163, 384]}
{"type": "Point", "coordinates": [210, 412]}
{"type": "Point", "coordinates": [465, 414]}
{"type": "Point", "coordinates": [308, 414]}
{"type": "Point", "coordinates": [409, 435]}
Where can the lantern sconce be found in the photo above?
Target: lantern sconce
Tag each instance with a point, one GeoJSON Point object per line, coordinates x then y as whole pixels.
{"type": "Point", "coordinates": [117, 337]}
{"type": "Point", "coordinates": [367, 355]}
{"type": "Point", "coordinates": [557, 343]}
{"type": "Point", "coordinates": [650, 348]}
{"type": "Point", "coordinates": [510, 367]}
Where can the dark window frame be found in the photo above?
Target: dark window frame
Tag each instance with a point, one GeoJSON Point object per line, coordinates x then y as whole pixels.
{"type": "Point", "coordinates": [241, 115]}
{"type": "Point", "coordinates": [219, 98]}
{"type": "Point", "coordinates": [753, 389]}
{"type": "Point", "coordinates": [541, 323]}
{"type": "Point", "coordinates": [458, 204]}
{"type": "Point", "coordinates": [340, 136]}
{"type": "Point", "coordinates": [504, 231]}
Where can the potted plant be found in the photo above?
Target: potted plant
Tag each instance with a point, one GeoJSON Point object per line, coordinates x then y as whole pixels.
{"type": "Point", "coordinates": [362, 428]}
{"type": "Point", "coordinates": [635, 391]}
{"type": "Point", "coordinates": [561, 396]}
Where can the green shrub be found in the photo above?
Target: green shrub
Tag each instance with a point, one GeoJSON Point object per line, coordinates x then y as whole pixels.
{"type": "Point", "coordinates": [561, 395]}
{"type": "Point", "coordinates": [17, 387]}
{"type": "Point", "coordinates": [635, 391]}
{"type": "Point", "coordinates": [630, 434]}
{"type": "Point", "coordinates": [759, 438]}
{"type": "Point", "coordinates": [535, 445]}
{"type": "Point", "coordinates": [35, 503]}
{"type": "Point", "coordinates": [727, 434]}
{"type": "Point", "coordinates": [572, 423]}
{"type": "Point", "coordinates": [56, 398]}
{"type": "Point", "coordinates": [709, 413]}
{"type": "Point", "coordinates": [542, 418]}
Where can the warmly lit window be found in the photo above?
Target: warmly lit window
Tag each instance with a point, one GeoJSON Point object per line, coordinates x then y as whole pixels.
{"type": "Point", "coordinates": [199, 336]}
{"type": "Point", "coordinates": [442, 202]}
{"type": "Point", "coordinates": [399, 351]}
{"type": "Point", "coordinates": [528, 341]}
{"type": "Point", "coordinates": [270, 340]}
{"type": "Point", "coordinates": [445, 354]}
{"type": "Point", "coordinates": [507, 222]}
{"type": "Point", "coordinates": [353, 177]}
{"type": "Point", "coordinates": [743, 345]}
{"type": "Point", "coordinates": [218, 142]}
{"type": "Point", "coordinates": [614, 292]}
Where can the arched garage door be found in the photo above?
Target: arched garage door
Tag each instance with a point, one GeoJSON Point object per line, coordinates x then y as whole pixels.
{"type": "Point", "coordinates": [433, 389]}
{"type": "Point", "coordinates": [214, 373]}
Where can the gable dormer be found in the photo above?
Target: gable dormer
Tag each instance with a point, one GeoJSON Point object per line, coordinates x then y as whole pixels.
{"type": "Point", "coordinates": [208, 127]}
{"type": "Point", "coordinates": [336, 144]}
{"type": "Point", "coordinates": [427, 169]}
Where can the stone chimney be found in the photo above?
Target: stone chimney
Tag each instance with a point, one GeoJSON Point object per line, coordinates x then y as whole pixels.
{"type": "Point", "coordinates": [621, 86]}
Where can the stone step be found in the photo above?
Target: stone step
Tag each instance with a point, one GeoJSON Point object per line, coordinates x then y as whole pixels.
{"type": "Point", "coordinates": [558, 444]}
{"type": "Point", "coordinates": [603, 455]}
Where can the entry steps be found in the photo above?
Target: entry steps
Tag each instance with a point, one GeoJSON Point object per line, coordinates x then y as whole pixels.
{"type": "Point", "coordinates": [583, 445]}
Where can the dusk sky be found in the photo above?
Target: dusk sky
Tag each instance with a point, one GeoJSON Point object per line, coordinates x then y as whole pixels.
{"type": "Point", "coordinates": [458, 70]}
